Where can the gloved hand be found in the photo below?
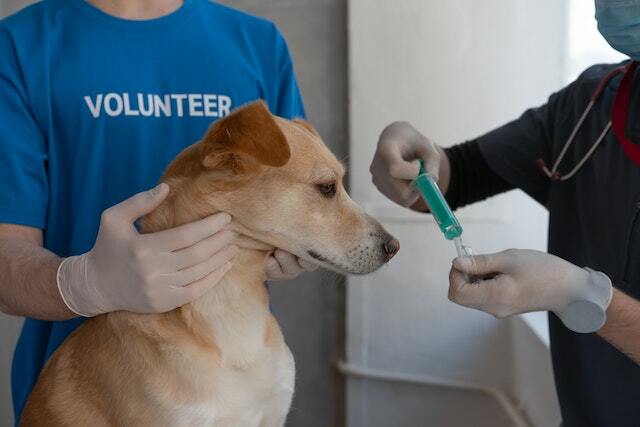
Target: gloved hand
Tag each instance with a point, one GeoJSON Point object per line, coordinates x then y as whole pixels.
{"type": "Point", "coordinates": [394, 165]}
{"type": "Point", "coordinates": [519, 281]}
{"type": "Point", "coordinates": [146, 273]}
{"type": "Point", "coordinates": [283, 265]}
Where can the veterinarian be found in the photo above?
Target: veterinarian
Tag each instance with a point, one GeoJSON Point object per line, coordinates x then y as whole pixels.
{"type": "Point", "coordinates": [96, 98]}
{"type": "Point", "coordinates": [594, 222]}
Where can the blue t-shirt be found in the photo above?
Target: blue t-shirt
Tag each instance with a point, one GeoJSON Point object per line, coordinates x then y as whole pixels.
{"type": "Point", "coordinates": [93, 108]}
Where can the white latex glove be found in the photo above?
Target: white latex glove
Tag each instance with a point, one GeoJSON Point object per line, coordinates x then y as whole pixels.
{"type": "Point", "coordinates": [519, 281]}
{"type": "Point", "coordinates": [283, 265]}
{"type": "Point", "coordinates": [146, 273]}
{"type": "Point", "coordinates": [394, 164]}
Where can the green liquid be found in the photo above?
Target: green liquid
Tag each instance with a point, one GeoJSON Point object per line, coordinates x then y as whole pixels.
{"type": "Point", "coordinates": [437, 204]}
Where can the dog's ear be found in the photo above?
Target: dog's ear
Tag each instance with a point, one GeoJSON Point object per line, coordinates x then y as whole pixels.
{"type": "Point", "coordinates": [305, 124]}
{"type": "Point", "coordinates": [244, 141]}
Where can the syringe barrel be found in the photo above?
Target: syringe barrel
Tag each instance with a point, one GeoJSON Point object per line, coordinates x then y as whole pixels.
{"type": "Point", "coordinates": [437, 204]}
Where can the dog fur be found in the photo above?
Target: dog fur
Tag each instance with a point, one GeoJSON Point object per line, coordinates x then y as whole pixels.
{"type": "Point", "coordinates": [220, 360]}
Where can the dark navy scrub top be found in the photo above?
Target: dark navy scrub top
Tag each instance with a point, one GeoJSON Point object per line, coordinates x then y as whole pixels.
{"type": "Point", "coordinates": [594, 222]}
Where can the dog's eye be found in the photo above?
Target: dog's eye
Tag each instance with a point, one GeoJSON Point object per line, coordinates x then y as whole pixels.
{"type": "Point", "coordinates": [327, 190]}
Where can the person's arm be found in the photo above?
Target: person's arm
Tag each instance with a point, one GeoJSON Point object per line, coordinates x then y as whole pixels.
{"type": "Point", "coordinates": [493, 163]}
{"type": "Point", "coordinates": [395, 164]}
{"type": "Point", "coordinates": [27, 270]}
{"type": "Point", "coordinates": [622, 329]}
{"type": "Point", "coordinates": [464, 177]}
{"type": "Point", "coordinates": [520, 281]}
{"type": "Point", "coordinates": [28, 275]}
{"type": "Point", "coordinates": [125, 270]}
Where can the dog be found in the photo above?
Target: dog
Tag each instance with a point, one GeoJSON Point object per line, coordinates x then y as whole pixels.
{"type": "Point", "coordinates": [220, 360]}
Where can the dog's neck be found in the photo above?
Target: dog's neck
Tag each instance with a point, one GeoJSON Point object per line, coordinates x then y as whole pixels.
{"type": "Point", "coordinates": [235, 311]}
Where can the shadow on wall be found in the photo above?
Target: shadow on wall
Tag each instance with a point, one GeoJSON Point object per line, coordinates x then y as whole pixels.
{"type": "Point", "coordinates": [9, 330]}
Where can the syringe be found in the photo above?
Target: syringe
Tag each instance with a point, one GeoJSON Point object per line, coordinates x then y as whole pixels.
{"type": "Point", "coordinates": [441, 211]}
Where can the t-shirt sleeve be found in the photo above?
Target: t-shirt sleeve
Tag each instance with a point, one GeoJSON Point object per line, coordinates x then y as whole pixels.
{"type": "Point", "coordinates": [24, 189]}
{"type": "Point", "coordinates": [513, 149]}
{"type": "Point", "coordinates": [287, 101]}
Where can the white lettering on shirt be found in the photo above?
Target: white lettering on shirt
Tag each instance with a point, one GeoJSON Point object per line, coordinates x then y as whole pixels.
{"type": "Point", "coordinates": [148, 110]}
{"type": "Point", "coordinates": [195, 102]}
{"type": "Point", "coordinates": [210, 105]}
{"type": "Point", "coordinates": [162, 104]}
{"type": "Point", "coordinates": [158, 105]}
{"type": "Point", "coordinates": [179, 98]}
{"type": "Point", "coordinates": [224, 103]}
{"type": "Point", "coordinates": [94, 107]}
{"type": "Point", "coordinates": [127, 106]}
{"type": "Point", "coordinates": [108, 104]}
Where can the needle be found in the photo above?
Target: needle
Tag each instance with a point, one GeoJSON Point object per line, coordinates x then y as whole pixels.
{"type": "Point", "coordinates": [464, 252]}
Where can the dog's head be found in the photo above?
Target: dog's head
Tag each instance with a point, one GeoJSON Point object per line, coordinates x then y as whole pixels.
{"type": "Point", "coordinates": [283, 188]}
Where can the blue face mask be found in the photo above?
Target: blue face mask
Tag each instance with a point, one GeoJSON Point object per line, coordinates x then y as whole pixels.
{"type": "Point", "coordinates": [619, 24]}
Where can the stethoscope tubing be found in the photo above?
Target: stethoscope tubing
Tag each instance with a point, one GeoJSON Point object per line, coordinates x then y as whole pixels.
{"type": "Point", "coordinates": [553, 173]}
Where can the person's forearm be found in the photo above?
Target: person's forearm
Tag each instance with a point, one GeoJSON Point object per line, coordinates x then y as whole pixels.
{"type": "Point", "coordinates": [445, 170]}
{"type": "Point", "coordinates": [622, 329]}
{"type": "Point", "coordinates": [28, 281]}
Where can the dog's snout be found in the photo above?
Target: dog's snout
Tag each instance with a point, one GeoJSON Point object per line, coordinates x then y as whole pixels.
{"type": "Point", "coordinates": [391, 247]}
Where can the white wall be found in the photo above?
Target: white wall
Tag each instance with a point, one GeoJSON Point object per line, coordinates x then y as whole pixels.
{"type": "Point", "coordinates": [585, 45]}
{"type": "Point", "coordinates": [455, 69]}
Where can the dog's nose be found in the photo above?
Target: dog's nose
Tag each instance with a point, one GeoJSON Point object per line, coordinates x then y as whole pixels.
{"type": "Point", "coordinates": [391, 247]}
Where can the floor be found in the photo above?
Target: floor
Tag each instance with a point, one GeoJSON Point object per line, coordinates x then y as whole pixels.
{"type": "Point", "coordinates": [400, 404]}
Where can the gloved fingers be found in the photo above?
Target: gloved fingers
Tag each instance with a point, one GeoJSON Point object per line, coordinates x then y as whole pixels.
{"type": "Point", "coordinates": [495, 296]}
{"type": "Point", "coordinates": [483, 265]}
{"type": "Point", "coordinates": [462, 292]}
{"type": "Point", "coordinates": [307, 265]}
{"type": "Point", "coordinates": [186, 235]}
{"type": "Point", "coordinates": [400, 191]}
{"type": "Point", "coordinates": [196, 272]}
{"type": "Point", "coordinates": [201, 251]}
{"type": "Point", "coordinates": [401, 161]}
{"type": "Point", "coordinates": [282, 265]}
{"type": "Point", "coordinates": [399, 188]}
{"type": "Point", "coordinates": [198, 288]}
{"type": "Point", "coordinates": [289, 262]}
{"type": "Point", "coordinates": [431, 157]}
{"type": "Point", "coordinates": [273, 271]}
{"type": "Point", "coordinates": [400, 144]}
{"type": "Point", "coordinates": [139, 204]}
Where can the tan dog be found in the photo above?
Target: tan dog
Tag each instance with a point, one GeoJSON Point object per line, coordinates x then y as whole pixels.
{"type": "Point", "coordinates": [220, 360]}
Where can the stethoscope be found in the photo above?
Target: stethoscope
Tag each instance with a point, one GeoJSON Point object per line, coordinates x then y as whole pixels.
{"type": "Point", "coordinates": [617, 122]}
